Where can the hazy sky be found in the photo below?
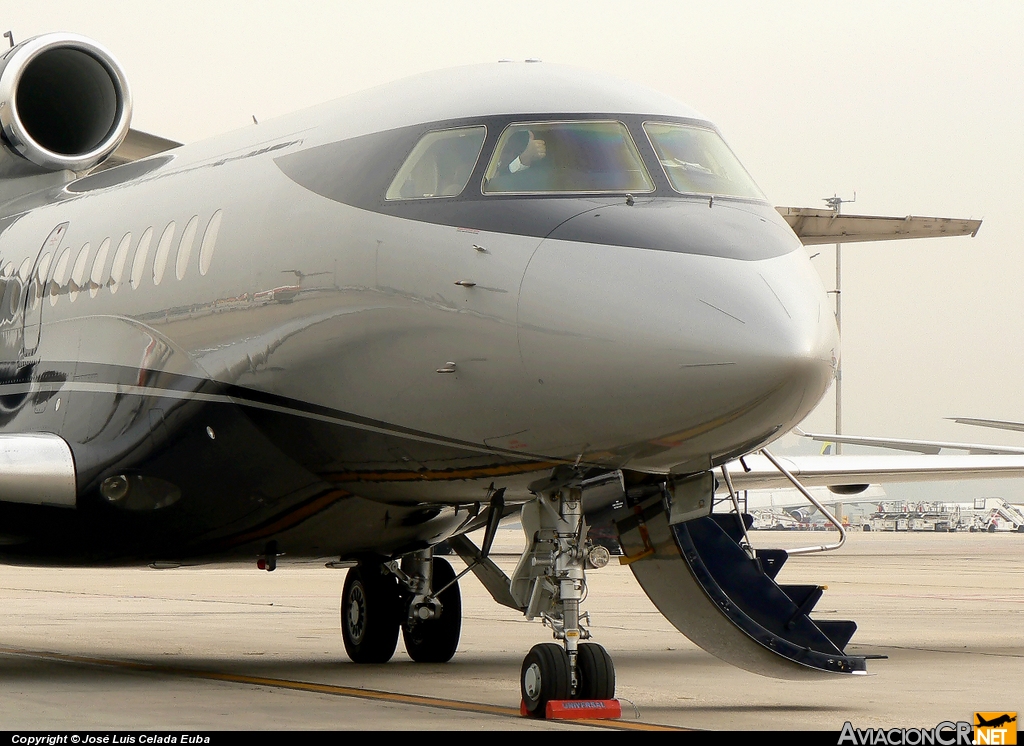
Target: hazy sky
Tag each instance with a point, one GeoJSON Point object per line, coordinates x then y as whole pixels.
{"type": "Point", "coordinates": [916, 106]}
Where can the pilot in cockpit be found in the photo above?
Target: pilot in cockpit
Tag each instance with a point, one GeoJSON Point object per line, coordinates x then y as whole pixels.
{"type": "Point", "coordinates": [521, 152]}
{"type": "Point", "coordinates": [530, 152]}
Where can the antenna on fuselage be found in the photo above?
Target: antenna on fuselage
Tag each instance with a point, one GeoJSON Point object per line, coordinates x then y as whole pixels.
{"type": "Point", "coordinates": [835, 203]}
{"type": "Point", "coordinates": [9, 35]}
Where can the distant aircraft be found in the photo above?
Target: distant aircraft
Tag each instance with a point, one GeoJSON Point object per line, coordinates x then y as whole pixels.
{"type": "Point", "coordinates": [519, 287]}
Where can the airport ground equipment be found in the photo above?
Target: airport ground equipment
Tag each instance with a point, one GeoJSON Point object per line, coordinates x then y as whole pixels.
{"type": "Point", "coordinates": [774, 519]}
{"type": "Point", "coordinates": [922, 516]}
{"type": "Point", "coordinates": [990, 514]}
{"type": "Point", "coordinates": [994, 514]}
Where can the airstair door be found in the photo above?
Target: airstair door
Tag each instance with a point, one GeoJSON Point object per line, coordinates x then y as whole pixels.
{"type": "Point", "coordinates": [36, 288]}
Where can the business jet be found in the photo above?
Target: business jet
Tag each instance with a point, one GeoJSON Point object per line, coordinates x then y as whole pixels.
{"type": "Point", "coordinates": [365, 329]}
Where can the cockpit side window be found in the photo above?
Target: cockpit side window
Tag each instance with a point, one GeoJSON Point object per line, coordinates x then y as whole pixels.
{"type": "Point", "coordinates": [440, 165]}
{"type": "Point", "coordinates": [585, 157]}
{"type": "Point", "coordinates": [697, 161]}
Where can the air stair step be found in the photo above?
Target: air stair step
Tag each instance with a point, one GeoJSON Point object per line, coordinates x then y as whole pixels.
{"type": "Point", "coordinates": [804, 596]}
{"type": "Point", "coordinates": [730, 523]}
{"type": "Point", "coordinates": [839, 632]}
{"type": "Point", "coordinates": [772, 560]}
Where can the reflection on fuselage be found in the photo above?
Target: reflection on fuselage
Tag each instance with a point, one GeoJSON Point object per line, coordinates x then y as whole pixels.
{"type": "Point", "coordinates": [600, 317]}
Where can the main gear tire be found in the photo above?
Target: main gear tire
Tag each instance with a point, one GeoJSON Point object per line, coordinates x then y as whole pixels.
{"type": "Point", "coordinates": [370, 614]}
{"type": "Point", "coordinates": [436, 640]}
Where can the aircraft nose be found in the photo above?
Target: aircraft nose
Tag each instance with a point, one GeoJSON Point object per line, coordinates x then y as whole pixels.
{"type": "Point", "coordinates": [662, 358]}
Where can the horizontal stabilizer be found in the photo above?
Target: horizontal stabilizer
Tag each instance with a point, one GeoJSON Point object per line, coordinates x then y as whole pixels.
{"type": "Point", "coordinates": [815, 226]}
{"type": "Point", "coordinates": [995, 424]}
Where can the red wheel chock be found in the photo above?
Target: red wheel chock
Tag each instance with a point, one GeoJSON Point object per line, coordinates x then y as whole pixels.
{"type": "Point", "coordinates": [579, 709]}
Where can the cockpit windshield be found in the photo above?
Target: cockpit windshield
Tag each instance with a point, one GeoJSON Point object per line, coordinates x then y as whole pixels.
{"type": "Point", "coordinates": [697, 161]}
{"type": "Point", "coordinates": [586, 157]}
{"type": "Point", "coordinates": [440, 165]}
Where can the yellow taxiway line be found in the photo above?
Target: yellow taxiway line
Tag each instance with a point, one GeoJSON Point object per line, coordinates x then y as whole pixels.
{"type": "Point", "coordinates": [306, 686]}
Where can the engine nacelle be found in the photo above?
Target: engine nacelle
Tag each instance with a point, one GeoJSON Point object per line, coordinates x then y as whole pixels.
{"type": "Point", "coordinates": [847, 489]}
{"type": "Point", "coordinates": [64, 104]}
{"type": "Point", "coordinates": [801, 514]}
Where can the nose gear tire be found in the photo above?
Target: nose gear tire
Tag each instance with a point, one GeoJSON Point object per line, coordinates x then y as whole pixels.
{"type": "Point", "coordinates": [596, 672]}
{"type": "Point", "coordinates": [544, 677]}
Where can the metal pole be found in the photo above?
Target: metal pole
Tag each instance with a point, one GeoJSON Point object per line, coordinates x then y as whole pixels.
{"type": "Point", "coordinates": [836, 203]}
{"type": "Point", "coordinates": [839, 327]}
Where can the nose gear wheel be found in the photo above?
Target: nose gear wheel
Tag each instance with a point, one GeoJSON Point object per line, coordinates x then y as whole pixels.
{"type": "Point", "coordinates": [595, 671]}
{"type": "Point", "coordinates": [544, 677]}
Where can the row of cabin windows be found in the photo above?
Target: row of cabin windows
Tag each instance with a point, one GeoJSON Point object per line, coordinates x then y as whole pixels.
{"type": "Point", "coordinates": [103, 276]}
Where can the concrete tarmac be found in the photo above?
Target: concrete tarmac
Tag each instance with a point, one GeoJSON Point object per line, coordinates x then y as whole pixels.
{"type": "Point", "coordinates": [231, 647]}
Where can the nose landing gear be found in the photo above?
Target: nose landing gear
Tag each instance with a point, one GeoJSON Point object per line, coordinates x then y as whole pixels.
{"type": "Point", "coordinates": [549, 582]}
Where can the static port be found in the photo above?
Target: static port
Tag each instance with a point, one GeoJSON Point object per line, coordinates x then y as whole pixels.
{"type": "Point", "coordinates": [115, 489]}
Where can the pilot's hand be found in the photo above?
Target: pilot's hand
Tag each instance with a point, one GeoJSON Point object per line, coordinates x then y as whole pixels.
{"type": "Point", "coordinates": [535, 151]}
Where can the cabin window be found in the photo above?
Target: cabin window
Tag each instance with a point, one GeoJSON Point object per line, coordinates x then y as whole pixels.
{"type": "Point", "coordinates": [589, 157]}
{"type": "Point", "coordinates": [188, 237]}
{"type": "Point", "coordinates": [59, 274]}
{"type": "Point", "coordinates": [209, 242]}
{"type": "Point", "coordinates": [98, 277]}
{"type": "Point", "coordinates": [697, 161]}
{"type": "Point", "coordinates": [139, 263]}
{"type": "Point", "coordinates": [78, 273]}
{"type": "Point", "coordinates": [440, 165]}
{"type": "Point", "coordinates": [117, 265]}
{"type": "Point", "coordinates": [162, 250]}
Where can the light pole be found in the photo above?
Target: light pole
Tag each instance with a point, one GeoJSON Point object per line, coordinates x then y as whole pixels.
{"type": "Point", "coordinates": [836, 203]}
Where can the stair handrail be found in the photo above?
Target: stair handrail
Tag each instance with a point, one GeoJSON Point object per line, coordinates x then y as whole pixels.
{"type": "Point", "coordinates": [745, 544]}
{"type": "Point", "coordinates": [821, 508]}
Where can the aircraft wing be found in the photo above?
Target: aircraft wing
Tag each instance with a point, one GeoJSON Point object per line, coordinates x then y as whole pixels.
{"type": "Point", "coordinates": [997, 424]}
{"type": "Point", "coordinates": [835, 471]}
{"type": "Point", "coordinates": [135, 146]}
{"type": "Point", "coordinates": [815, 226]}
{"type": "Point", "coordinates": [920, 446]}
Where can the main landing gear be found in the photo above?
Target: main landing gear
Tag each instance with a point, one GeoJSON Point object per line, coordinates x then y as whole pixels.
{"type": "Point", "coordinates": [418, 596]}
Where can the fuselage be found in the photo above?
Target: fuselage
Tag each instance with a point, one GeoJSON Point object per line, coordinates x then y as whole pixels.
{"type": "Point", "coordinates": [282, 334]}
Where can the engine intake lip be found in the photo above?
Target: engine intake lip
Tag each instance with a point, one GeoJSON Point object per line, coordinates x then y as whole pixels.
{"type": "Point", "coordinates": [107, 123]}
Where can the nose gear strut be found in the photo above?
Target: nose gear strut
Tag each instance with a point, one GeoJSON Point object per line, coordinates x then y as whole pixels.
{"type": "Point", "coordinates": [550, 582]}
